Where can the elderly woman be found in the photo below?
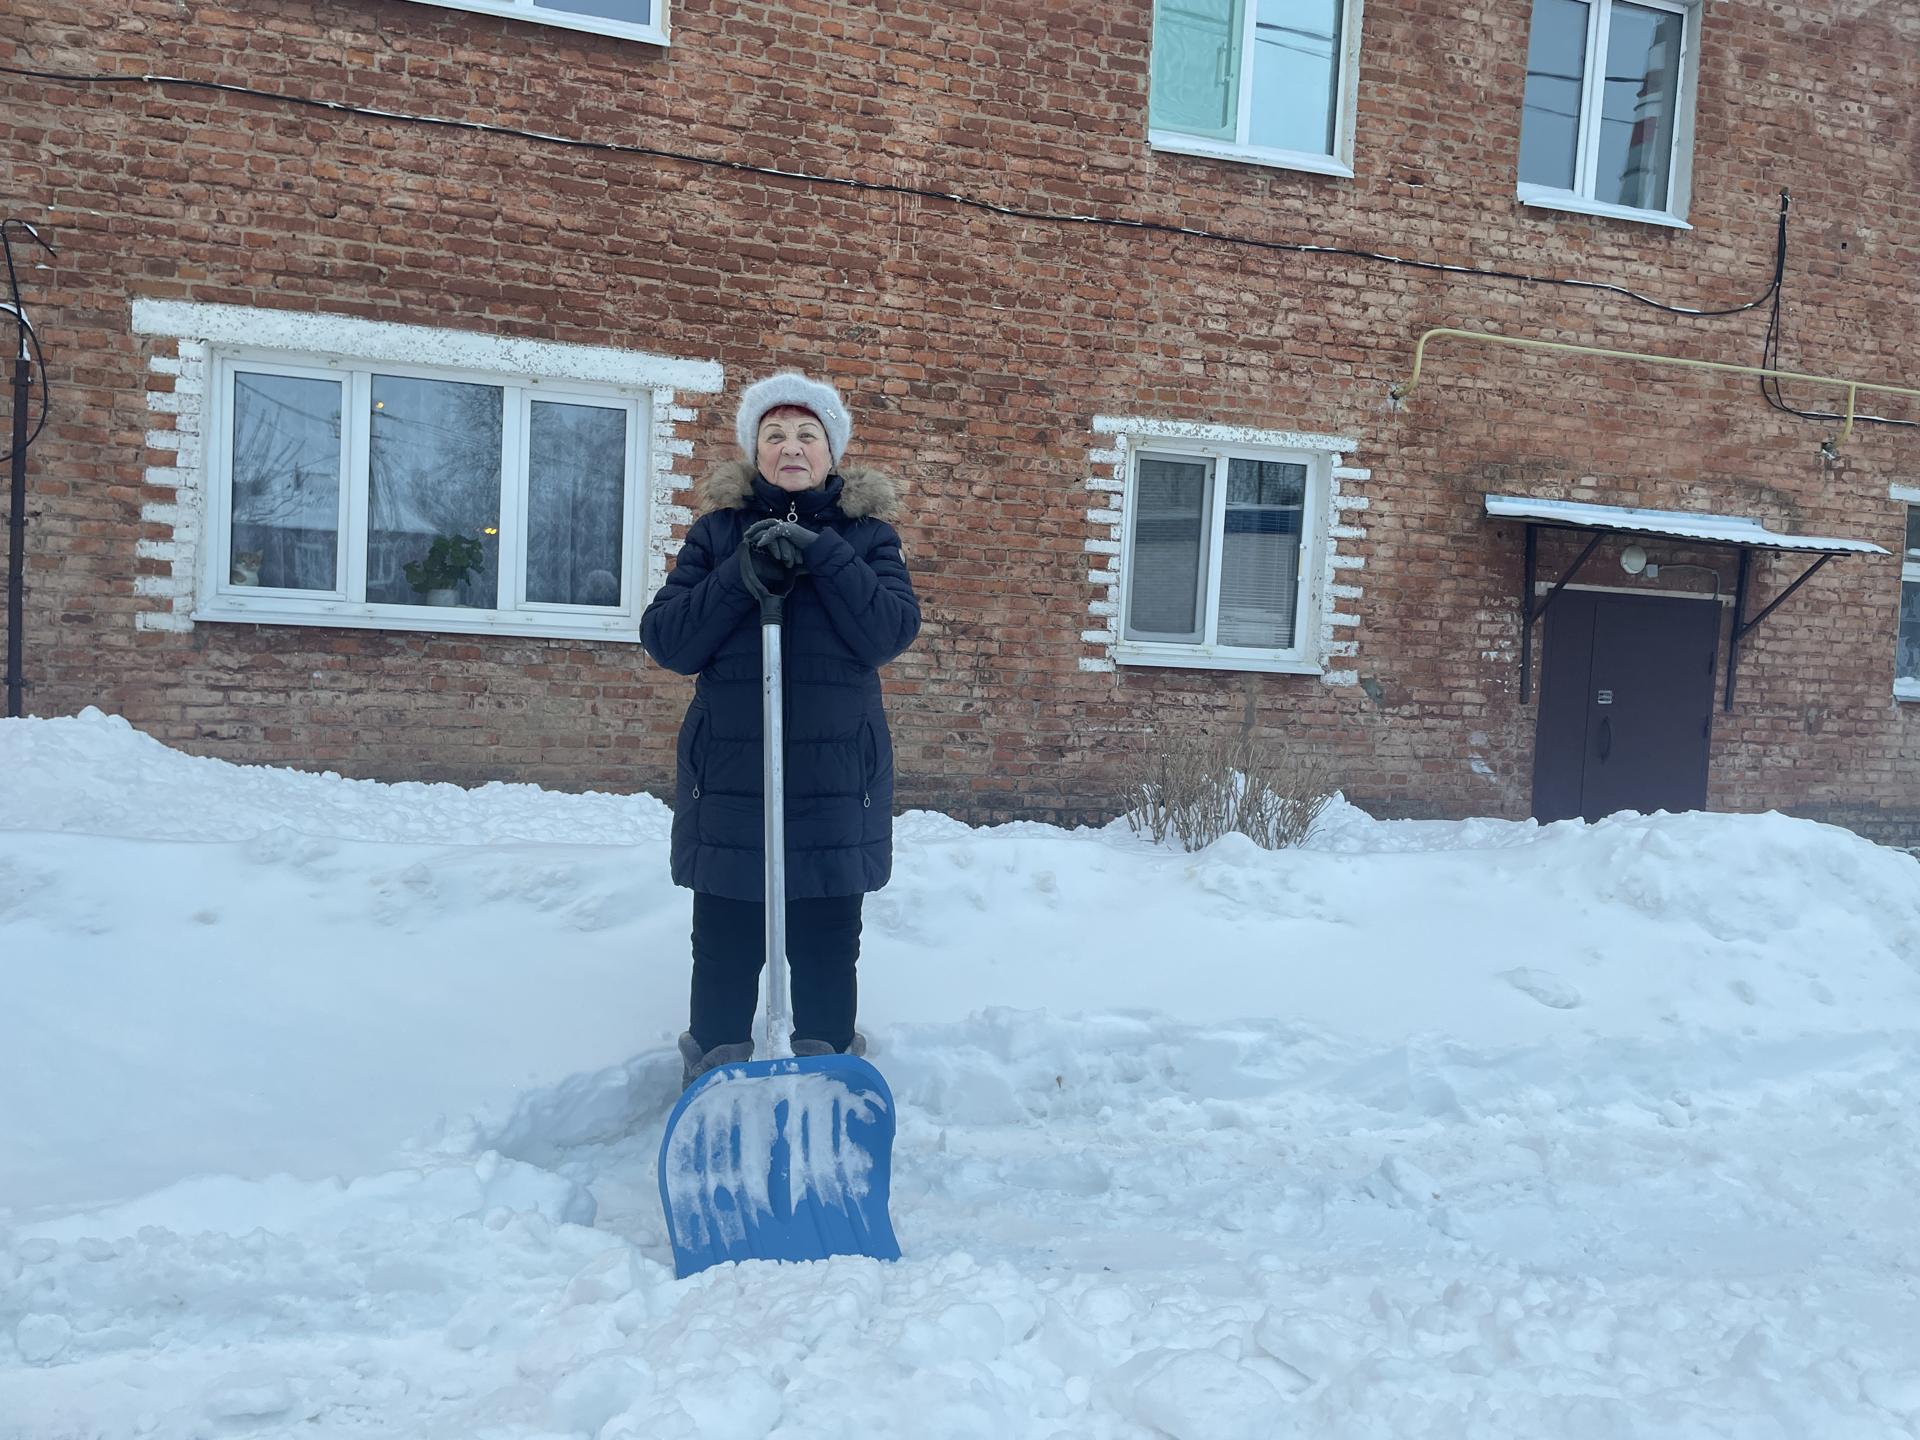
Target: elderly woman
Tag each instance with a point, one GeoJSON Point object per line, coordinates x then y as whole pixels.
{"type": "Point", "coordinates": [790, 512]}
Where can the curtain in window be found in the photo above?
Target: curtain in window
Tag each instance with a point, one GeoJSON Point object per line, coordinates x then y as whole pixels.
{"type": "Point", "coordinates": [1550, 113]}
{"type": "Point", "coordinates": [1170, 544]}
{"type": "Point", "coordinates": [1195, 85]}
{"type": "Point", "coordinates": [434, 471]}
{"type": "Point", "coordinates": [1260, 553]}
{"type": "Point", "coordinates": [1296, 74]}
{"type": "Point", "coordinates": [286, 482]}
{"type": "Point", "coordinates": [576, 490]}
{"type": "Point", "coordinates": [1640, 101]}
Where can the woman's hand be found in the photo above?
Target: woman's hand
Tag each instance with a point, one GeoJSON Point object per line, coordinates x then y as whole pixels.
{"type": "Point", "coordinates": [785, 540]}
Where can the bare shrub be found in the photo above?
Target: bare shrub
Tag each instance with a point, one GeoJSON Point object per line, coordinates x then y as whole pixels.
{"type": "Point", "coordinates": [1198, 789]}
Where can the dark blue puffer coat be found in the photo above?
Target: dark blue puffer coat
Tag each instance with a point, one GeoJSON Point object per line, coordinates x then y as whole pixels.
{"type": "Point", "coordinates": [852, 610]}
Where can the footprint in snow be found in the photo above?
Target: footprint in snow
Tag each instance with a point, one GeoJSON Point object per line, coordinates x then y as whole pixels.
{"type": "Point", "coordinates": [1545, 986]}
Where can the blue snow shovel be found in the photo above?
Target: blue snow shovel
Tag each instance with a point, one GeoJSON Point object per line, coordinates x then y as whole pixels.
{"type": "Point", "coordinates": [784, 1158]}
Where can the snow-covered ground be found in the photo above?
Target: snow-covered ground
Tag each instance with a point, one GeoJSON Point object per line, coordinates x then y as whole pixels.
{"type": "Point", "coordinates": [331, 1109]}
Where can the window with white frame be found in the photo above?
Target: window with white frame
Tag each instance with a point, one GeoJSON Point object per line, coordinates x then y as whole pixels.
{"type": "Point", "coordinates": [629, 19]}
{"type": "Point", "coordinates": [1219, 558]}
{"type": "Point", "coordinates": [1270, 81]}
{"type": "Point", "coordinates": [422, 499]}
{"type": "Point", "coordinates": [1906, 669]}
{"type": "Point", "coordinates": [1607, 120]}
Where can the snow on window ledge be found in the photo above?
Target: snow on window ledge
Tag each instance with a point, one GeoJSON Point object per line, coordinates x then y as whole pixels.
{"type": "Point", "coordinates": [1201, 657]}
{"type": "Point", "coordinates": [1174, 143]}
{"type": "Point", "coordinates": [1540, 198]}
{"type": "Point", "coordinates": [1906, 689]}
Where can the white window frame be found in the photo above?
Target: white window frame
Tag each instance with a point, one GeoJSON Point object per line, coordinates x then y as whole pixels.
{"type": "Point", "coordinates": [220, 600]}
{"type": "Point", "coordinates": [1304, 656]}
{"type": "Point", "coordinates": [654, 34]}
{"type": "Point", "coordinates": [1580, 200]}
{"type": "Point", "coordinates": [1339, 163]}
{"type": "Point", "coordinates": [1907, 495]}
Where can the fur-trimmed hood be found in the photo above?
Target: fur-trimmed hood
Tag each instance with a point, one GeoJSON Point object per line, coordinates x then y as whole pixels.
{"type": "Point", "coordinates": [862, 492]}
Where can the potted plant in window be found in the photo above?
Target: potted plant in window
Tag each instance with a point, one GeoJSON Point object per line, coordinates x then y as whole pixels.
{"type": "Point", "coordinates": [450, 561]}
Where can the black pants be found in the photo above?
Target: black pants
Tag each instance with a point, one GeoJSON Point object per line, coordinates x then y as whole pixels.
{"type": "Point", "coordinates": [730, 946]}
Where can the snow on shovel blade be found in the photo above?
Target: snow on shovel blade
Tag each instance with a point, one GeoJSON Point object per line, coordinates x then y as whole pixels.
{"type": "Point", "coordinates": [779, 1160]}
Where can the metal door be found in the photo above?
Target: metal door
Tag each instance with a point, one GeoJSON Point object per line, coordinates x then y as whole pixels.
{"type": "Point", "coordinates": [1626, 705]}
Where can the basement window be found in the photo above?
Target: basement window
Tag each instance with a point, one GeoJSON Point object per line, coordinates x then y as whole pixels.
{"type": "Point", "coordinates": [1220, 555]}
{"type": "Point", "coordinates": [644, 20]}
{"type": "Point", "coordinates": [411, 498]}
{"type": "Point", "coordinates": [1607, 120]}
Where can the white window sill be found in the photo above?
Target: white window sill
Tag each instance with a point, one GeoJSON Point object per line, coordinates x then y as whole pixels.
{"type": "Point", "coordinates": [1215, 657]}
{"type": "Point", "coordinates": [428, 619]}
{"type": "Point", "coordinates": [1543, 199]}
{"type": "Point", "coordinates": [1248, 155]}
{"type": "Point", "coordinates": [594, 24]}
{"type": "Point", "coordinates": [1906, 689]}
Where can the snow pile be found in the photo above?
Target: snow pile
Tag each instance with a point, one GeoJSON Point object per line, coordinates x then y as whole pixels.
{"type": "Point", "coordinates": [333, 1109]}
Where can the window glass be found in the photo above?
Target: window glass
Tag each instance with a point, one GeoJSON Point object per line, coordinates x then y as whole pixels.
{"type": "Point", "coordinates": [1296, 73]}
{"type": "Point", "coordinates": [1908, 666]}
{"type": "Point", "coordinates": [1170, 544]}
{"type": "Point", "coordinates": [286, 482]}
{"type": "Point", "coordinates": [1640, 101]}
{"type": "Point", "coordinates": [1195, 86]}
{"type": "Point", "coordinates": [434, 473]}
{"type": "Point", "coordinates": [633, 12]}
{"type": "Point", "coordinates": [1556, 67]}
{"type": "Point", "coordinates": [1260, 553]}
{"type": "Point", "coordinates": [575, 503]}
{"type": "Point", "coordinates": [1913, 532]}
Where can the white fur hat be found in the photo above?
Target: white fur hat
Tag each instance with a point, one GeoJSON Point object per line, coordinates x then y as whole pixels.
{"type": "Point", "coordinates": [790, 387]}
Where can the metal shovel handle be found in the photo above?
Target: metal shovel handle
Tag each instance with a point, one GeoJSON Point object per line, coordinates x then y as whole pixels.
{"type": "Point", "coordinates": [776, 982]}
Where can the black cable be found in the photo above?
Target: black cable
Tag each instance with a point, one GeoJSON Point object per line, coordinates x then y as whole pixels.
{"type": "Point", "coordinates": [30, 338]}
{"type": "Point", "coordinates": [1770, 356]}
{"type": "Point", "coordinates": [880, 187]}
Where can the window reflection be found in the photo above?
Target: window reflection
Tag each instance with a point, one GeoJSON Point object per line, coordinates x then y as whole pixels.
{"type": "Point", "coordinates": [434, 472]}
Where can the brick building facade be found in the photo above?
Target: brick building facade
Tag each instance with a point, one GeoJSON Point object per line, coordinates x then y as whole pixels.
{"type": "Point", "coordinates": [1080, 349]}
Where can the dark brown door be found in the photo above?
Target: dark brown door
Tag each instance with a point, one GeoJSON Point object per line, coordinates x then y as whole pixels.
{"type": "Point", "coordinates": [1626, 705]}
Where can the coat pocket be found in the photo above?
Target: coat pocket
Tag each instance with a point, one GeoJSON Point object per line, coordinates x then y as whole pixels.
{"type": "Point", "coordinates": [693, 755]}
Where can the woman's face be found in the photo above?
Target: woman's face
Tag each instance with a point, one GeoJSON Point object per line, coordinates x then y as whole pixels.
{"type": "Point", "coordinates": [793, 450]}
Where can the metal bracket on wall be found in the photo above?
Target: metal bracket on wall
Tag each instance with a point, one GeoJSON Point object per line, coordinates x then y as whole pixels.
{"type": "Point", "coordinates": [1531, 612]}
{"type": "Point", "coordinates": [1743, 626]}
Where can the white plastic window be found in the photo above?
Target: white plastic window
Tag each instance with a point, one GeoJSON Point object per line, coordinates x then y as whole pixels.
{"type": "Point", "coordinates": [1219, 557]}
{"type": "Point", "coordinates": [1269, 81]}
{"type": "Point", "coordinates": [406, 498]}
{"type": "Point", "coordinates": [1607, 118]}
{"type": "Point", "coordinates": [630, 19]}
{"type": "Point", "coordinates": [1907, 667]}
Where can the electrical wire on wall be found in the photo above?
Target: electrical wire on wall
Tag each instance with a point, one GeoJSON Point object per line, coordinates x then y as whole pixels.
{"type": "Point", "coordinates": [15, 308]}
{"type": "Point", "coordinates": [1156, 227]}
{"type": "Point", "coordinates": [1770, 297]}
{"type": "Point", "coordinates": [16, 457]}
{"type": "Point", "coordinates": [1770, 354]}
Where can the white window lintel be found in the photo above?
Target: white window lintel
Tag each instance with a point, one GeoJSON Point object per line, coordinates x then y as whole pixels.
{"type": "Point", "coordinates": [360, 341]}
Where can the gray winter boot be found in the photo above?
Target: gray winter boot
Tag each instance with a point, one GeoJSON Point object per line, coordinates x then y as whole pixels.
{"type": "Point", "coordinates": [821, 1047]}
{"type": "Point", "coordinates": [695, 1062]}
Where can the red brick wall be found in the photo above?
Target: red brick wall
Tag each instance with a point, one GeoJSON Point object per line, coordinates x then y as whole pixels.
{"type": "Point", "coordinates": [976, 348]}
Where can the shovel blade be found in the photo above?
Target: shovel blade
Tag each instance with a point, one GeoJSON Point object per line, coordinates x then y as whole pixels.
{"type": "Point", "coordinates": [780, 1160]}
